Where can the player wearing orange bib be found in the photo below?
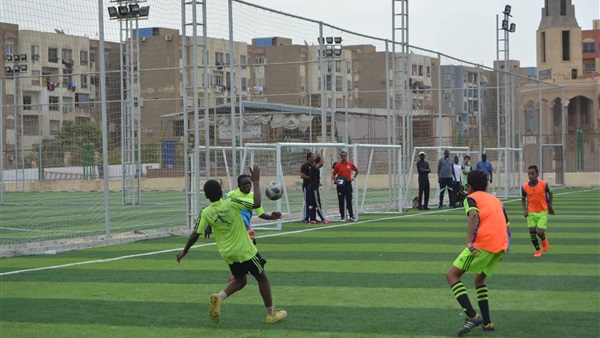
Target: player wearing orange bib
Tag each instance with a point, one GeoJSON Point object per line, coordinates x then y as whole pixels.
{"type": "Point", "coordinates": [488, 239]}
{"type": "Point", "coordinates": [536, 200]}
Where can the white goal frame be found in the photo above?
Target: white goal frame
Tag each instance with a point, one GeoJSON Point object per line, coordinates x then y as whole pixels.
{"type": "Point", "coordinates": [508, 171]}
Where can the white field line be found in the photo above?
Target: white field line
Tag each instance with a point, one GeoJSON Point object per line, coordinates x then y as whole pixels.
{"type": "Point", "coordinates": [263, 236]}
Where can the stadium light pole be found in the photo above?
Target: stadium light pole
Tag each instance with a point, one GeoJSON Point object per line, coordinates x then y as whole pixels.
{"type": "Point", "coordinates": [332, 49]}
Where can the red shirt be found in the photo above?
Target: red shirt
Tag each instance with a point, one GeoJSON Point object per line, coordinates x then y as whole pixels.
{"type": "Point", "coordinates": [344, 169]}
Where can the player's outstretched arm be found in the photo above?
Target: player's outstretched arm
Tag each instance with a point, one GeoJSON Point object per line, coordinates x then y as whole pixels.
{"type": "Point", "coordinates": [255, 178]}
{"type": "Point", "coordinates": [191, 241]}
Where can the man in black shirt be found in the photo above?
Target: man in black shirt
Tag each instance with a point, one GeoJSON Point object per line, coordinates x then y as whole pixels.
{"type": "Point", "coordinates": [305, 176]}
{"type": "Point", "coordinates": [313, 197]}
{"type": "Point", "coordinates": [424, 170]}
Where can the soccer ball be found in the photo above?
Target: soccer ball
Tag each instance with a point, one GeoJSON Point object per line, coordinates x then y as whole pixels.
{"type": "Point", "coordinates": [274, 191]}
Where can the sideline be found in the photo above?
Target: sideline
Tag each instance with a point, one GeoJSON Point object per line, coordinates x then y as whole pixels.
{"type": "Point", "coordinates": [258, 237]}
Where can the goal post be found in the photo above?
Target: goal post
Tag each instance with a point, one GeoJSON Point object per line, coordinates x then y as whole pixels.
{"type": "Point", "coordinates": [432, 155]}
{"type": "Point", "coordinates": [508, 171]}
{"type": "Point", "coordinates": [377, 189]}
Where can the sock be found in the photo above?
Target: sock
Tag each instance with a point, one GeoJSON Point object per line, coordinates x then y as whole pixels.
{"type": "Point", "coordinates": [482, 300]}
{"type": "Point", "coordinates": [533, 237]}
{"type": "Point", "coordinates": [460, 293]}
{"type": "Point", "coordinates": [270, 311]}
{"type": "Point", "coordinates": [543, 237]}
{"type": "Point", "coordinates": [222, 295]}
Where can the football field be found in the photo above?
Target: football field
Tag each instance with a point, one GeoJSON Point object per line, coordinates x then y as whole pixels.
{"type": "Point", "coordinates": [383, 276]}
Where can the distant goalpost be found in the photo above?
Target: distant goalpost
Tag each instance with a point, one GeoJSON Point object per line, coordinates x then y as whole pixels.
{"type": "Point", "coordinates": [377, 189]}
{"type": "Point", "coordinates": [432, 155]}
{"type": "Point", "coordinates": [508, 171]}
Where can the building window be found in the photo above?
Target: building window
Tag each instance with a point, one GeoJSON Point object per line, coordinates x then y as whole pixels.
{"type": "Point", "coordinates": [67, 104]}
{"type": "Point", "coordinates": [30, 125]}
{"type": "Point", "coordinates": [26, 102]}
{"type": "Point", "coordinates": [54, 127]}
{"type": "Point", "coordinates": [53, 103]}
{"type": "Point", "coordinates": [35, 80]}
{"type": "Point", "coordinates": [243, 61]}
{"type": "Point", "coordinates": [35, 53]}
{"type": "Point", "coordinates": [83, 57]}
{"type": "Point", "coordinates": [589, 67]}
{"type": "Point", "coordinates": [544, 47]}
{"type": "Point", "coordinates": [82, 100]}
{"type": "Point", "coordinates": [589, 47]}
{"type": "Point", "coordinates": [67, 77]}
{"type": "Point", "coordinates": [82, 120]}
{"type": "Point", "coordinates": [84, 81]}
{"type": "Point", "coordinates": [420, 70]}
{"type": "Point", "coordinates": [53, 55]}
{"type": "Point", "coordinates": [565, 46]}
{"type": "Point", "coordinates": [563, 7]}
{"type": "Point", "coordinates": [67, 54]}
{"type": "Point", "coordinates": [178, 128]}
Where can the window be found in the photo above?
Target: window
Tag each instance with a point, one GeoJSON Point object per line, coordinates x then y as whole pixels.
{"type": "Point", "coordinates": [67, 77]}
{"type": "Point", "coordinates": [82, 120]}
{"type": "Point", "coordinates": [67, 54]}
{"type": "Point", "coordinates": [54, 127]}
{"type": "Point", "coordinates": [328, 82]}
{"type": "Point", "coordinates": [589, 67]}
{"type": "Point", "coordinates": [544, 45]}
{"type": "Point", "coordinates": [106, 58]}
{"type": "Point", "coordinates": [178, 128]}
{"type": "Point", "coordinates": [35, 80]}
{"type": "Point", "coordinates": [82, 100]}
{"type": "Point", "coordinates": [84, 81]}
{"type": "Point", "coordinates": [243, 61]}
{"type": "Point", "coordinates": [35, 53]}
{"type": "Point", "coordinates": [420, 70]}
{"type": "Point", "coordinates": [428, 71]}
{"type": "Point", "coordinates": [414, 69]}
{"type": "Point", "coordinates": [565, 46]}
{"type": "Point", "coordinates": [26, 102]}
{"type": "Point", "coordinates": [83, 57]}
{"type": "Point", "coordinates": [563, 7]}
{"type": "Point", "coordinates": [589, 47]}
{"type": "Point", "coordinates": [8, 49]}
{"type": "Point", "coordinates": [10, 122]}
{"type": "Point", "coordinates": [67, 104]}
{"type": "Point", "coordinates": [92, 57]}
{"type": "Point", "coordinates": [30, 125]}
{"type": "Point", "coordinates": [338, 84]}
{"type": "Point", "coordinates": [52, 55]}
{"type": "Point", "coordinates": [53, 103]}
{"type": "Point", "coordinates": [219, 60]}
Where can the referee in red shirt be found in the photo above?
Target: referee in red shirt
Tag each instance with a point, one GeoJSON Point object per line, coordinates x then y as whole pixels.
{"type": "Point", "coordinates": [343, 177]}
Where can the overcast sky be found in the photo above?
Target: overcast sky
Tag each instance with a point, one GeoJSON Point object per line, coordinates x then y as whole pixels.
{"type": "Point", "coordinates": [465, 29]}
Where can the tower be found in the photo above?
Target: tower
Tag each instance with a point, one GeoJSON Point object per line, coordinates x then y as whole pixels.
{"type": "Point", "coordinates": [559, 42]}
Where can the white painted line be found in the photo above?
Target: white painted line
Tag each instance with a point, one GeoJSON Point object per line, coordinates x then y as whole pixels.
{"type": "Point", "coordinates": [263, 236]}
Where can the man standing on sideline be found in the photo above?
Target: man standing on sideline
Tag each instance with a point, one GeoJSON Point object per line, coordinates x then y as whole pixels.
{"type": "Point", "coordinates": [488, 239]}
{"type": "Point", "coordinates": [313, 196]}
{"type": "Point", "coordinates": [485, 166]}
{"type": "Point", "coordinates": [445, 178]}
{"type": "Point", "coordinates": [457, 184]}
{"type": "Point", "coordinates": [305, 176]}
{"type": "Point", "coordinates": [342, 174]}
{"type": "Point", "coordinates": [466, 169]}
{"type": "Point", "coordinates": [423, 170]}
{"type": "Point", "coordinates": [536, 201]}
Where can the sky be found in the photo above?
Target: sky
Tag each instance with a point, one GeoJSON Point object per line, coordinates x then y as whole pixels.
{"type": "Point", "coordinates": [465, 29]}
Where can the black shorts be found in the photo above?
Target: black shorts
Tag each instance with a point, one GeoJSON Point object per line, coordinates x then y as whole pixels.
{"type": "Point", "coordinates": [253, 266]}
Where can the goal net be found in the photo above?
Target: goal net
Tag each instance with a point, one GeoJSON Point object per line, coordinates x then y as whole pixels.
{"type": "Point", "coordinates": [432, 155]}
{"type": "Point", "coordinates": [508, 171]}
{"type": "Point", "coordinates": [377, 188]}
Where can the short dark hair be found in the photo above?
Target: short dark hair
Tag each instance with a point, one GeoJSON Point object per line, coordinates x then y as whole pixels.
{"type": "Point", "coordinates": [308, 155]}
{"type": "Point", "coordinates": [212, 190]}
{"type": "Point", "coordinates": [534, 167]}
{"type": "Point", "coordinates": [467, 156]}
{"type": "Point", "coordinates": [241, 177]}
{"type": "Point", "coordinates": [478, 180]}
{"type": "Point", "coordinates": [343, 152]}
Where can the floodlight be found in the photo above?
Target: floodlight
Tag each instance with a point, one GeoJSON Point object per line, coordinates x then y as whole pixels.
{"type": "Point", "coordinates": [8, 57]}
{"type": "Point", "coordinates": [8, 69]}
{"type": "Point", "coordinates": [17, 68]}
{"type": "Point", "coordinates": [337, 51]}
{"type": "Point", "coordinates": [507, 10]}
{"type": "Point", "coordinates": [134, 9]}
{"type": "Point", "coordinates": [321, 40]}
{"type": "Point", "coordinates": [123, 11]}
{"type": "Point", "coordinates": [23, 57]}
{"type": "Point", "coordinates": [505, 25]}
{"type": "Point", "coordinates": [337, 39]}
{"type": "Point", "coordinates": [144, 11]}
{"type": "Point", "coordinates": [23, 68]}
{"type": "Point", "coordinates": [329, 39]}
{"type": "Point", "coordinates": [16, 57]}
{"type": "Point", "coordinates": [329, 52]}
{"type": "Point", "coordinates": [113, 13]}
{"type": "Point", "coordinates": [513, 27]}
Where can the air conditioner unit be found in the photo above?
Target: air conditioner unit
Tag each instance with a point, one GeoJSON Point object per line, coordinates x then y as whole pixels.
{"type": "Point", "coordinates": [143, 39]}
{"type": "Point", "coordinates": [168, 37]}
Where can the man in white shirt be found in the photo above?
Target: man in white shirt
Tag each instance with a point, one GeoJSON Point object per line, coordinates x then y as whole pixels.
{"type": "Point", "coordinates": [457, 184]}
